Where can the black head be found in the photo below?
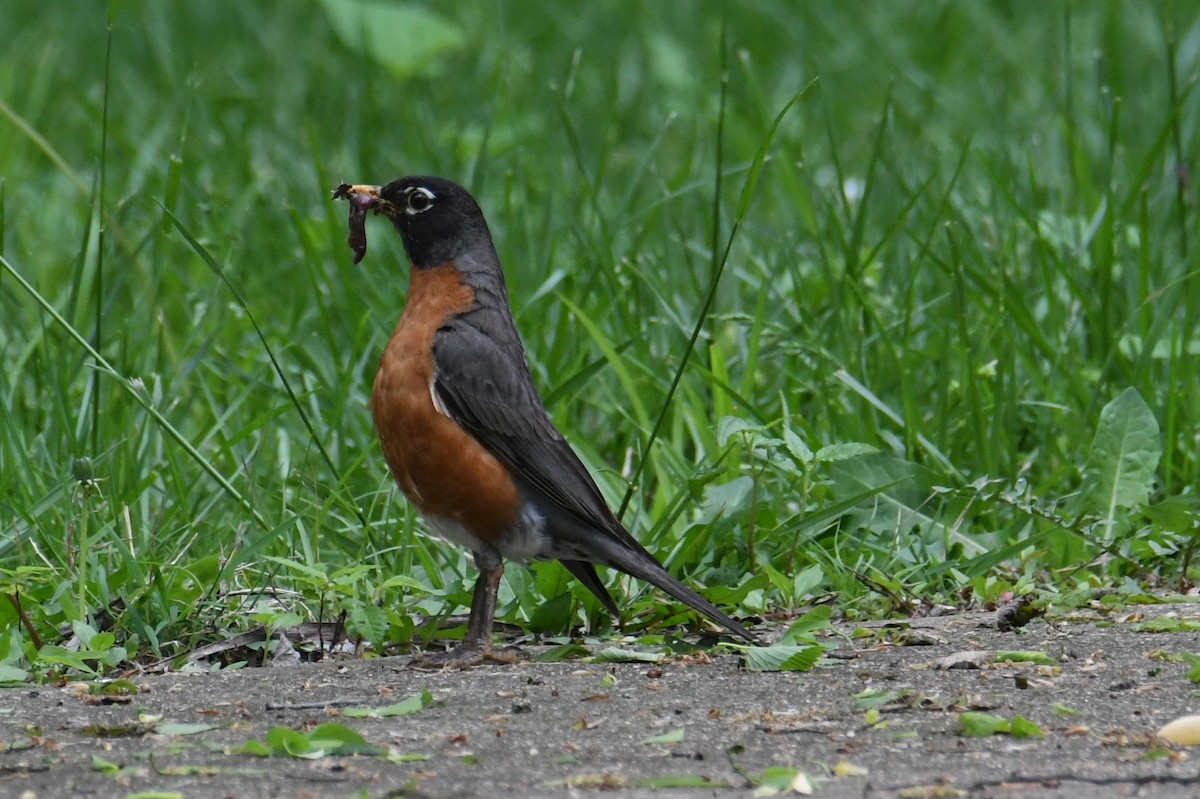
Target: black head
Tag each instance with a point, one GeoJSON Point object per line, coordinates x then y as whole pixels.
{"type": "Point", "coordinates": [437, 218]}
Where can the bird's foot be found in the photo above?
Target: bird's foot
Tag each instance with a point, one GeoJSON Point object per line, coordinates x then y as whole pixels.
{"type": "Point", "coordinates": [464, 657]}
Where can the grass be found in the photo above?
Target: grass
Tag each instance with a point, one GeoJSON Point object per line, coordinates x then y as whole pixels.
{"type": "Point", "coordinates": [952, 347]}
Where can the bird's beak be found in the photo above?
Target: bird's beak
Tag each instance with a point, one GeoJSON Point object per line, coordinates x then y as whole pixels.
{"type": "Point", "coordinates": [362, 198]}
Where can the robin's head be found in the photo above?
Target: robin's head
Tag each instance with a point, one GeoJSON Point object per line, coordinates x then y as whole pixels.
{"type": "Point", "coordinates": [437, 218]}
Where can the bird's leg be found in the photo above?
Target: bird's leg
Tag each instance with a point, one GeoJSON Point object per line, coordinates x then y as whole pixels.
{"type": "Point", "coordinates": [483, 602]}
{"type": "Point", "coordinates": [476, 646]}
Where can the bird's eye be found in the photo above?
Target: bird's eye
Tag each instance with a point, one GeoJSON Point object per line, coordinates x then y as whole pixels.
{"type": "Point", "coordinates": [419, 200]}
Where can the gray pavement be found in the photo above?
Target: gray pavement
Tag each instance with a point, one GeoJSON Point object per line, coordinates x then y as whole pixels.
{"type": "Point", "coordinates": [582, 728]}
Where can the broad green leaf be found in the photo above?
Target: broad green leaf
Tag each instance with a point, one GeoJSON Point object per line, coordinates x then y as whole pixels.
{"type": "Point", "coordinates": [101, 642]}
{"type": "Point", "coordinates": [778, 579]}
{"type": "Point", "coordinates": [894, 499]}
{"type": "Point", "coordinates": [1179, 514]}
{"type": "Point", "coordinates": [404, 37]}
{"type": "Point", "coordinates": [350, 576]}
{"type": "Point", "coordinates": [1123, 457]}
{"type": "Point", "coordinates": [53, 653]}
{"type": "Point", "coordinates": [806, 581]}
{"type": "Point", "coordinates": [1165, 624]}
{"type": "Point", "coordinates": [802, 629]}
{"type": "Point", "coordinates": [614, 655]}
{"type": "Point", "coordinates": [873, 698]}
{"type": "Point", "coordinates": [1021, 727]}
{"type": "Point", "coordinates": [981, 725]}
{"type": "Point", "coordinates": [725, 498]}
{"type": "Point", "coordinates": [406, 707]}
{"type": "Point", "coordinates": [1193, 674]}
{"type": "Point", "coordinates": [369, 621]}
{"type": "Point", "coordinates": [778, 777]}
{"type": "Point", "coordinates": [106, 767]}
{"type": "Point", "coordinates": [780, 657]}
{"type": "Point", "coordinates": [84, 632]}
{"type": "Point", "coordinates": [730, 426]}
{"type": "Point", "coordinates": [407, 757]}
{"type": "Point", "coordinates": [119, 687]}
{"type": "Point", "coordinates": [278, 620]}
{"type": "Point", "coordinates": [12, 674]}
{"type": "Point", "coordinates": [253, 747]}
{"type": "Point", "coordinates": [1023, 656]}
{"type": "Point", "coordinates": [290, 742]}
{"type": "Point", "coordinates": [553, 615]}
{"type": "Point", "coordinates": [317, 577]}
{"type": "Point", "coordinates": [338, 739]}
{"type": "Point", "coordinates": [796, 446]}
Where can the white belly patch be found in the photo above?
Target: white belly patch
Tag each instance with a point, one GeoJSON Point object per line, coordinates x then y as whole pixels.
{"type": "Point", "coordinates": [525, 540]}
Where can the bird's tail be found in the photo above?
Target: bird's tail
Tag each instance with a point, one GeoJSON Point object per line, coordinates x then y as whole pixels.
{"type": "Point", "coordinates": [655, 574]}
{"type": "Point", "coordinates": [641, 564]}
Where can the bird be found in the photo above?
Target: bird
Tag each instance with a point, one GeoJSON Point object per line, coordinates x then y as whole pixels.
{"type": "Point", "coordinates": [461, 424]}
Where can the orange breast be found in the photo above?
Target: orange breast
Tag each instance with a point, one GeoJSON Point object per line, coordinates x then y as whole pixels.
{"type": "Point", "coordinates": [445, 472]}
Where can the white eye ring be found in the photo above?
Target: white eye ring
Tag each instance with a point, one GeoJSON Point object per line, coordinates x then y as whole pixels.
{"type": "Point", "coordinates": [420, 200]}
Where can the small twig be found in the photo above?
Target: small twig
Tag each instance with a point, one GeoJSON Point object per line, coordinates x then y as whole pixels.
{"type": "Point", "coordinates": [33, 634]}
{"type": "Point", "coordinates": [311, 705]}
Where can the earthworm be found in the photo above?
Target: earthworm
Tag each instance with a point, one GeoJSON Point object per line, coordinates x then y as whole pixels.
{"type": "Point", "coordinates": [360, 203]}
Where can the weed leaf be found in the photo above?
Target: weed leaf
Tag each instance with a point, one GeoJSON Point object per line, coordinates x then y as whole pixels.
{"type": "Point", "coordinates": [405, 707]}
{"type": "Point", "coordinates": [1124, 455]}
{"type": "Point", "coordinates": [981, 725]}
{"type": "Point", "coordinates": [403, 37]}
{"type": "Point", "coordinates": [781, 657]}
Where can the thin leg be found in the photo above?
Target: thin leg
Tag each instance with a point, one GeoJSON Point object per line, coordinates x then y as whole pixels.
{"type": "Point", "coordinates": [476, 646]}
{"type": "Point", "coordinates": [483, 607]}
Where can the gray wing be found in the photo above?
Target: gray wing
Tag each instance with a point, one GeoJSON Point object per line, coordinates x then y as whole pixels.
{"type": "Point", "coordinates": [486, 388]}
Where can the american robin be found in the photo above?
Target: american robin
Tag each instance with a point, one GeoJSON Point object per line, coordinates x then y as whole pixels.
{"type": "Point", "coordinates": [461, 424]}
